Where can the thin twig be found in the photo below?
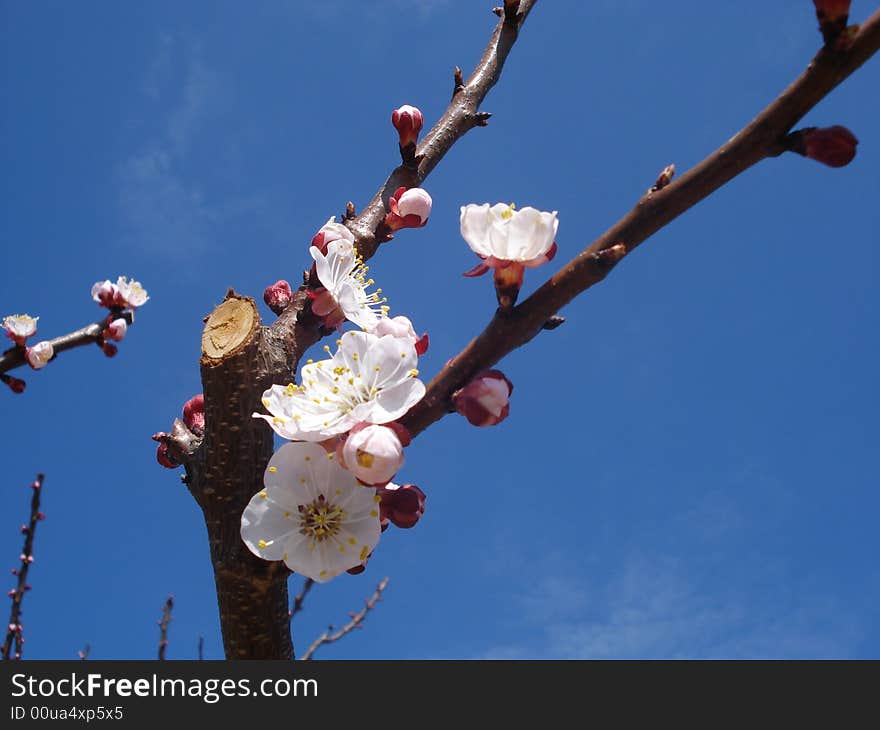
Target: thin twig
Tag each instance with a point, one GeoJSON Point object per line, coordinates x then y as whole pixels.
{"type": "Point", "coordinates": [201, 651]}
{"type": "Point", "coordinates": [163, 626]}
{"type": "Point", "coordinates": [460, 117]}
{"type": "Point", "coordinates": [762, 138]}
{"type": "Point", "coordinates": [89, 335]}
{"type": "Point", "coordinates": [12, 645]}
{"type": "Point", "coordinates": [83, 653]}
{"type": "Point", "coordinates": [298, 600]}
{"type": "Point", "coordinates": [357, 621]}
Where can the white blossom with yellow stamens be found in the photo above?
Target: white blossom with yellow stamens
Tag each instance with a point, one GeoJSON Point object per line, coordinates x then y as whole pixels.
{"type": "Point", "coordinates": [370, 379]}
{"type": "Point", "coordinates": [344, 275]}
{"type": "Point", "coordinates": [312, 514]}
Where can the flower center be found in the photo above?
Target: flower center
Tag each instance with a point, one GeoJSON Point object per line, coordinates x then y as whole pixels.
{"type": "Point", "coordinates": [320, 519]}
{"type": "Point", "coordinates": [508, 214]}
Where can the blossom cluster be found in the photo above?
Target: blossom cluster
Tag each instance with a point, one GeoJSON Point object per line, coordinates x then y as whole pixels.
{"type": "Point", "coordinates": [329, 493]}
{"type": "Point", "coordinates": [123, 294]}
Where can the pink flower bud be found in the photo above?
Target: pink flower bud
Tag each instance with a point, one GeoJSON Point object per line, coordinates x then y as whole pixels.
{"type": "Point", "coordinates": [109, 349]}
{"type": "Point", "coordinates": [408, 209]}
{"type": "Point", "coordinates": [325, 306]}
{"type": "Point", "coordinates": [401, 328]}
{"type": "Point", "coordinates": [194, 414]}
{"type": "Point", "coordinates": [105, 293]}
{"type": "Point", "coordinates": [402, 505]}
{"type": "Point", "coordinates": [329, 232]}
{"type": "Point", "coordinates": [374, 454]}
{"type": "Point", "coordinates": [11, 593]}
{"type": "Point", "coordinates": [278, 296]}
{"type": "Point", "coordinates": [41, 515]}
{"type": "Point", "coordinates": [39, 355]}
{"type": "Point", "coordinates": [485, 400]}
{"type": "Point", "coordinates": [407, 120]}
{"type": "Point", "coordinates": [832, 146]}
{"type": "Point", "coordinates": [115, 330]}
{"type": "Point", "coordinates": [833, 16]}
{"type": "Point", "coordinates": [24, 529]}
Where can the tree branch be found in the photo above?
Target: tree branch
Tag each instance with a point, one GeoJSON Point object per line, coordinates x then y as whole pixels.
{"type": "Point", "coordinates": [241, 359]}
{"type": "Point", "coordinates": [762, 138]}
{"type": "Point", "coordinates": [14, 629]}
{"type": "Point", "coordinates": [301, 596]}
{"type": "Point", "coordinates": [460, 117]}
{"type": "Point", "coordinates": [163, 626]}
{"type": "Point", "coordinates": [357, 621]}
{"type": "Point", "coordinates": [88, 335]}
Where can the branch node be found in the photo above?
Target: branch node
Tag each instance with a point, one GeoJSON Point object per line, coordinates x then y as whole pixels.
{"type": "Point", "coordinates": [553, 322]}
{"type": "Point", "coordinates": [663, 179]}
{"type": "Point", "coordinates": [481, 119]}
{"type": "Point", "coordinates": [511, 14]}
{"type": "Point", "coordinates": [458, 81]}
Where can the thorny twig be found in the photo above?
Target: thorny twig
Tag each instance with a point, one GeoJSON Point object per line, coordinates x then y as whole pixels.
{"type": "Point", "coordinates": [12, 645]}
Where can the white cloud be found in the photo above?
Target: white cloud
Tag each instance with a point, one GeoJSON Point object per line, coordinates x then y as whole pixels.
{"type": "Point", "coordinates": [162, 200]}
{"type": "Point", "coordinates": [658, 607]}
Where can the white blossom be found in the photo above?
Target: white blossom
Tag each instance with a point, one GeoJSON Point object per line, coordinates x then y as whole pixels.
{"type": "Point", "coordinates": [312, 514]}
{"type": "Point", "coordinates": [344, 275]}
{"type": "Point", "coordinates": [39, 355]}
{"type": "Point", "coordinates": [502, 233]}
{"type": "Point", "coordinates": [20, 326]}
{"type": "Point", "coordinates": [369, 379]}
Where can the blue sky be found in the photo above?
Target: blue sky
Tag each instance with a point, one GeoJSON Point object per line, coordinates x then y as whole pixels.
{"type": "Point", "coordinates": [690, 464]}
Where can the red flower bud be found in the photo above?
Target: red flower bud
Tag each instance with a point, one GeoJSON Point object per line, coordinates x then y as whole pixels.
{"type": "Point", "coordinates": [833, 16]}
{"type": "Point", "coordinates": [833, 146]}
{"type": "Point", "coordinates": [485, 400]}
{"type": "Point", "coordinates": [15, 384]}
{"type": "Point", "coordinates": [329, 232]}
{"type": "Point", "coordinates": [194, 414]}
{"type": "Point", "coordinates": [278, 296]}
{"type": "Point", "coordinates": [407, 120]}
{"type": "Point", "coordinates": [109, 349]}
{"type": "Point", "coordinates": [164, 458]}
{"type": "Point", "coordinates": [401, 505]}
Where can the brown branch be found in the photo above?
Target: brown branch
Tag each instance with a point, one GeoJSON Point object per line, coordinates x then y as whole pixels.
{"type": "Point", "coordinates": [241, 359]}
{"type": "Point", "coordinates": [89, 335]}
{"type": "Point", "coordinates": [163, 626]}
{"type": "Point", "coordinates": [301, 596]}
{"type": "Point", "coordinates": [762, 138]}
{"type": "Point", "coordinates": [460, 117]}
{"type": "Point", "coordinates": [357, 621]}
{"type": "Point", "coordinates": [14, 638]}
